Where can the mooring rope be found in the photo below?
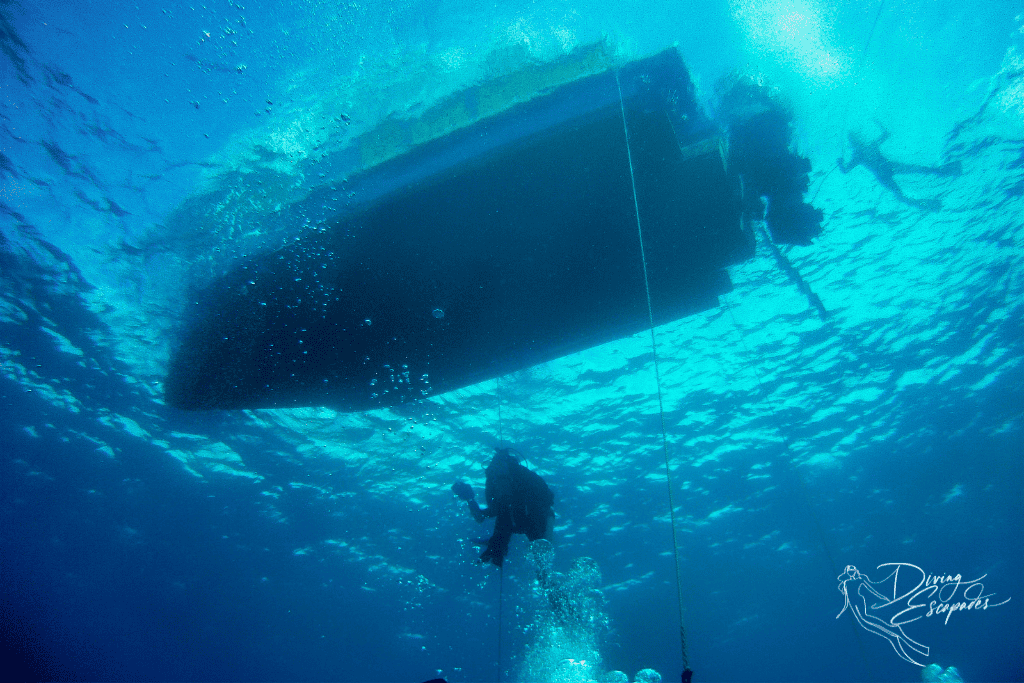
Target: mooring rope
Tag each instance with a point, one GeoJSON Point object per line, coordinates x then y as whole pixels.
{"type": "Point", "coordinates": [501, 568]}
{"type": "Point", "coordinates": [501, 589]}
{"type": "Point", "coordinates": [497, 394]}
{"type": "Point", "coordinates": [874, 25]}
{"type": "Point", "coordinates": [858, 66]}
{"type": "Point", "coordinates": [657, 378]}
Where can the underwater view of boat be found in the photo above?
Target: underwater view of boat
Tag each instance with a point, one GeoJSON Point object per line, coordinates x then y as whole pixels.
{"type": "Point", "coordinates": [514, 238]}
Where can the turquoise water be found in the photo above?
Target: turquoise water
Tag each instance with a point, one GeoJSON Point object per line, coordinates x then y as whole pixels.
{"type": "Point", "coordinates": [148, 149]}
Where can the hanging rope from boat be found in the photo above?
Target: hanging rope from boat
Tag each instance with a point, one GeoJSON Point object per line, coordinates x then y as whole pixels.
{"type": "Point", "coordinates": [497, 395]}
{"type": "Point", "coordinates": [501, 590]}
{"type": "Point", "coordinates": [687, 673]}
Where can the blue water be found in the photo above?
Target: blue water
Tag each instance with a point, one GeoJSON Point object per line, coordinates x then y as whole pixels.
{"type": "Point", "coordinates": [146, 148]}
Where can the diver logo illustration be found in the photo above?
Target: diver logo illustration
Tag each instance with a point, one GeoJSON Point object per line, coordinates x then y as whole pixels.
{"type": "Point", "coordinates": [884, 607]}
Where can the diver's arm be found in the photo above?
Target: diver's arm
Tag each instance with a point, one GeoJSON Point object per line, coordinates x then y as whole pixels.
{"type": "Point", "coordinates": [479, 514]}
{"type": "Point", "coordinates": [465, 492]}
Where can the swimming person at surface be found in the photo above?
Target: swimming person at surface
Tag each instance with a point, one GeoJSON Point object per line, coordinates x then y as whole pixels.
{"type": "Point", "coordinates": [869, 155]}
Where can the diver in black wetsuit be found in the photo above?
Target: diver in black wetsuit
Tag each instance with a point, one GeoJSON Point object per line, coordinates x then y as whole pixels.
{"type": "Point", "coordinates": [869, 155]}
{"type": "Point", "coordinates": [517, 498]}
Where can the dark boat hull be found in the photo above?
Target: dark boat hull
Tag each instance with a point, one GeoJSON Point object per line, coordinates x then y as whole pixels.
{"type": "Point", "coordinates": [508, 243]}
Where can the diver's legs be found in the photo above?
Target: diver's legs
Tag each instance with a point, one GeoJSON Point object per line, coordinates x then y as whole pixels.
{"type": "Point", "coordinates": [497, 544]}
{"type": "Point", "coordinates": [953, 168]}
{"type": "Point", "coordinates": [885, 179]}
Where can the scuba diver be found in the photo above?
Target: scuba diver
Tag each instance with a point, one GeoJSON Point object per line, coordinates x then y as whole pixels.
{"type": "Point", "coordinates": [517, 498]}
{"type": "Point", "coordinates": [869, 155]}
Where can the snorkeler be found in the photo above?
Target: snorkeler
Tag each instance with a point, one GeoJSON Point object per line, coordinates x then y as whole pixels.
{"type": "Point", "coordinates": [869, 155]}
{"type": "Point", "coordinates": [517, 498]}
